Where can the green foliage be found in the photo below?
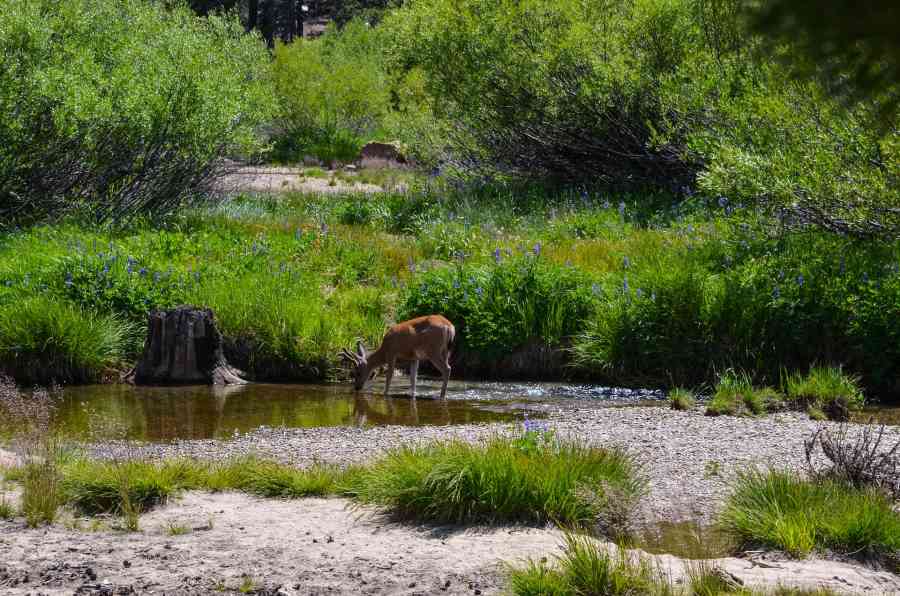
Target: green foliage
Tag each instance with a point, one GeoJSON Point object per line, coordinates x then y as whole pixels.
{"type": "Point", "coordinates": [333, 94]}
{"type": "Point", "coordinates": [501, 307]}
{"type": "Point", "coordinates": [681, 399]}
{"type": "Point", "coordinates": [588, 567]}
{"type": "Point", "coordinates": [822, 387]}
{"type": "Point", "coordinates": [6, 509]}
{"type": "Point", "coordinates": [269, 479]}
{"type": "Point", "coordinates": [735, 394]}
{"type": "Point", "coordinates": [120, 107]}
{"type": "Point", "coordinates": [779, 510]}
{"type": "Point", "coordinates": [531, 478]}
{"type": "Point", "coordinates": [41, 497]}
{"type": "Point", "coordinates": [42, 339]}
{"type": "Point", "coordinates": [125, 488]}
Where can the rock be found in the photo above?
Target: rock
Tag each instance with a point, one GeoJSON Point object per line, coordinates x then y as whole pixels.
{"type": "Point", "coordinates": [183, 347]}
{"type": "Point", "coordinates": [380, 155]}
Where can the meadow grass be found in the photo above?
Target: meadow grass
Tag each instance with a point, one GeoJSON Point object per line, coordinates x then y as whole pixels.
{"type": "Point", "coordinates": [681, 399]}
{"type": "Point", "coordinates": [623, 289]}
{"type": "Point", "coordinates": [780, 510]}
{"type": "Point", "coordinates": [525, 479]}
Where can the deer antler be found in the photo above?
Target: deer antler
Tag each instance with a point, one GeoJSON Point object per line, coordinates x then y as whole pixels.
{"type": "Point", "coordinates": [347, 355]}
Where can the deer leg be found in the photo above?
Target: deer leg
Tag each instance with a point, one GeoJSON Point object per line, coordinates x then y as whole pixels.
{"type": "Point", "coordinates": [413, 373]}
{"type": "Point", "coordinates": [389, 376]}
{"type": "Point", "coordinates": [442, 365]}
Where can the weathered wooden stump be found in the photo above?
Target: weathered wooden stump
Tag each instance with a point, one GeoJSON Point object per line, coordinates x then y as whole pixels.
{"type": "Point", "coordinates": [183, 347]}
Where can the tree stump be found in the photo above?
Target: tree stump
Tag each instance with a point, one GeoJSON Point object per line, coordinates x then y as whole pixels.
{"type": "Point", "coordinates": [183, 347]}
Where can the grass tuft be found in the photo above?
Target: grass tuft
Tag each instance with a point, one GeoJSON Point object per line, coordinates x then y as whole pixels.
{"type": "Point", "coordinates": [827, 389]}
{"type": "Point", "coordinates": [527, 479]}
{"type": "Point", "coordinates": [681, 399]}
{"type": "Point", "coordinates": [735, 395]}
{"type": "Point", "coordinates": [778, 510]}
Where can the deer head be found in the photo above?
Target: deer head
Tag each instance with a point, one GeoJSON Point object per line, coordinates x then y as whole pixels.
{"type": "Point", "coordinates": [359, 360]}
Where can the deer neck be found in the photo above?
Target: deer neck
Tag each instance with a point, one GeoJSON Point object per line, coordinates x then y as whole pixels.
{"type": "Point", "coordinates": [376, 359]}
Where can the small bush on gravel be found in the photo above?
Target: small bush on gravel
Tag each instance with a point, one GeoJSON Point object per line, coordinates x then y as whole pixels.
{"type": "Point", "coordinates": [586, 568]}
{"type": "Point", "coordinates": [270, 479]}
{"type": "Point", "coordinates": [681, 399]}
{"type": "Point", "coordinates": [779, 510]}
{"type": "Point", "coordinates": [735, 395]}
{"type": "Point", "coordinates": [827, 389]}
{"type": "Point", "coordinates": [530, 478]}
{"type": "Point", "coordinates": [121, 487]}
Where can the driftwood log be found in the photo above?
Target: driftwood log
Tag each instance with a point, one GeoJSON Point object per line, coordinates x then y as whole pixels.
{"type": "Point", "coordinates": [183, 347]}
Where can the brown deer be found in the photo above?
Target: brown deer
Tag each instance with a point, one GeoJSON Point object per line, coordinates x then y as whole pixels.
{"type": "Point", "coordinates": [422, 338]}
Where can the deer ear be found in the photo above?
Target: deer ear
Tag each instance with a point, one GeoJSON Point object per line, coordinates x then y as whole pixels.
{"type": "Point", "coordinates": [361, 350]}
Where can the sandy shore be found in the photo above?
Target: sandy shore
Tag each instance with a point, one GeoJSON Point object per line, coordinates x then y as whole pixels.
{"type": "Point", "coordinates": [234, 542]}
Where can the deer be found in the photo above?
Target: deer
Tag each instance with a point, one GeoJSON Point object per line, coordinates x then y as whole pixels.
{"type": "Point", "coordinates": [422, 338]}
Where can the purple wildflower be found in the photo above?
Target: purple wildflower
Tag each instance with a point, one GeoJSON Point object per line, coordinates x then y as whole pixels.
{"type": "Point", "coordinates": [800, 280]}
{"type": "Point", "coordinates": [497, 255]}
{"type": "Point", "coordinates": [537, 249]}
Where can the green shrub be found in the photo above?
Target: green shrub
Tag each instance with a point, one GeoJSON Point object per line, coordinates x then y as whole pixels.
{"type": "Point", "coordinates": [43, 340]}
{"type": "Point", "coordinates": [587, 567]}
{"type": "Point", "coordinates": [333, 93]}
{"type": "Point", "coordinates": [132, 486]}
{"type": "Point", "coordinates": [826, 389]}
{"type": "Point", "coordinates": [503, 307]}
{"type": "Point", "coordinates": [681, 399]}
{"type": "Point", "coordinates": [120, 108]}
{"type": "Point", "coordinates": [531, 478]}
{"type": "Point", "coordinates": [41, 492]}
{"type": "Point", "coordinates": [779, 510]}
{"type": "Point", "coordinates": [735, 394]}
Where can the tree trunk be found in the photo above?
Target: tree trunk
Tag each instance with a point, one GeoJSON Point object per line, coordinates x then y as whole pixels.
{"type": "Point", "coordinates": [183, 347]}
{"type": "Point", "coordinates": [252, 14]}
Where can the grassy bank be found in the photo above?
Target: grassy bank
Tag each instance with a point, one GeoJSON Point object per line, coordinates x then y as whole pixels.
{"type": "Point", "coordinates": [539, 283]}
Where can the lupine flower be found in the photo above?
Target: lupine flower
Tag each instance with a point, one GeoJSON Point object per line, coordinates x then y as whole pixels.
{"type": "Point", "coordinates": [479, 291]}
{"type": "Point", "coordinates": [800, 280]}
{"type": "Point", "coordinates": [142, 272]}
{"type": "Point", "coordinates": [722, 201]}
{"type": "Point", "coordinates": [626, 262]}
{"type": "Point", "coordinates": [69, 281]}
{"type": "Point", "coordinates": [781, 275]}
{"type": "Point", "coordinates": [639, 292]}
{"type": "Point", "coordinates": [606, 204]}
{"type": "Point", "coordinates": [537, 249]}
{"type": "Point", "coordinates": [625, 284]}
{"type": "Point", "coordinates": [776, 293]}
{"type": "Point", "coordinates": [622, 208]}
{"type": "Point", "coordinates": [865, 277]}
{"type": "Point", "coordinates": [156, 276]}
{"type": "Point", "coordinates": [456, 284]}
{"type": "Point", "coordinates": [411, 265]}
{"type": "Point", "coordinates": [595, 287]}
{"type": "Point", "coordinates": [497, 255]}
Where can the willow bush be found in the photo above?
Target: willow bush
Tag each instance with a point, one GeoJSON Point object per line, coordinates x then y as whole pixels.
{"type": "Point", "coordinates": [120, 108]}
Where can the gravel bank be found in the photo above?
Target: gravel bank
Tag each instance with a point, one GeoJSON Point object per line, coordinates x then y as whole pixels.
{"type": "Point", "coordinates": [689, 458]}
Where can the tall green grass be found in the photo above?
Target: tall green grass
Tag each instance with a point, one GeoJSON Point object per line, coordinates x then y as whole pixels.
{"type": "Point", "coordinates": [779, 510]}
{"type": "Point", "coordinates": [735, 394]}
{"type": "Point", "coordinates": [527, 479]}
{"type": "Point", "coordinates": [43, 340]}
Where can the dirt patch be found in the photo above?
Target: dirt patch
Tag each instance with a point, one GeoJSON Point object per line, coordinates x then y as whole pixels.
{"type": "Point", "coordinates": [274, 180]}
{"type": "Point", "coordinates": [233, 542]}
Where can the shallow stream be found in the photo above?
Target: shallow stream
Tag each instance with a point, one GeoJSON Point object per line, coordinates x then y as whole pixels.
{"type": "Point", "coordinates": [161, 414]}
